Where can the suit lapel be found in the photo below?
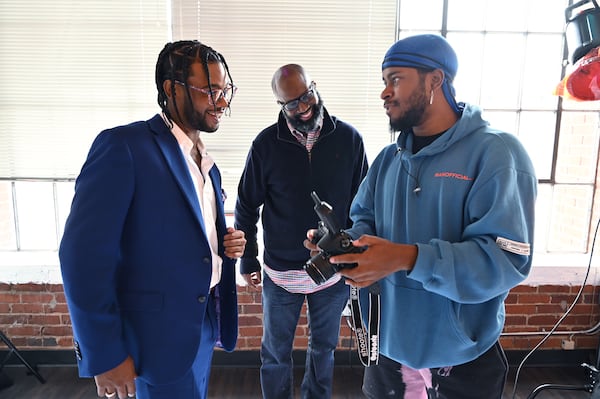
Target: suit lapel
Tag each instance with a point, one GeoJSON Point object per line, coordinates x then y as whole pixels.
{"type": "Point", "coordinates": [176, 163]}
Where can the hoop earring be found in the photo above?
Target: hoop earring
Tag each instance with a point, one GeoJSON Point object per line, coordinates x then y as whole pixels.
{"type": "Point", "coordinates": [431, 97]}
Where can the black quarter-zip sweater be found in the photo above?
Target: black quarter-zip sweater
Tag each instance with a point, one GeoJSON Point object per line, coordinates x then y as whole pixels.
{"type": "Point", "coordinates": [279, 176]}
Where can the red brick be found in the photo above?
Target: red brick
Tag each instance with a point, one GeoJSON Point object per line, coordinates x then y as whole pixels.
{"type": "Point", "coordinates": [66, 342]}
{"type": "Point", "coordinates": [542, 320]}
{"type": "Point", "coordinates": [20, 342]}
{"type": "Point", "coordinates": [250, 331]}
{"type": "Point", "coordinates": [249, 321]}
{"type": "Point", "coordinates": [29, 287]}
{"type": "Point", "coordinates": [60, 297]}
{"type": "Point", "coordinates": [65, 319]}
{"type": "Point", "coordinates": [520, 309]}
{"type": "Point", "coordinates": [589, 298]}
{"type": "Point", "coordinates": [27, 308]}
{"type": "Point", "coordinates": [554, 289]}
{"type": "Point", "coordinates": [585, 341]}
{"type": "Point", "coordinates": [534, 298]}
{"type": "Point", "coordinates": [251, 343]}
{"type": "Point", "coordinates": [10, 319]}
{"type": "Point", "coordinates": [56, 308]}
{"type": "Point", "coordinates": [43, 319]}
{"type": "Point", "coordinates": [587, 309]}
{"type": "Point", "coordinates": [22, 331]}
{"type": "Point", "coordinates": [516, 320]}
{"type": "Point", "coordinates": [58, 288]}
{"type": "Point", "coordinates": [553, 308]}
{"type": "Point", "coordinates": [523, 288]}
{"type": "Point", "coordinates": [35, 342]}
{"type": "Point", "coordinates": [589, 289]}
{"type": "Point", "coordinates": [251, 309]}
{"type": "Point", "coordinates": [558, 298]}
{"type": "Point", "coordinates": [301, 342]}
{"type": "Point", "coordinates": [8, 297]}
{"type": "Point", "coordinates": [59, 331]}
{"type": "Point", "coordinates": [42, 297]}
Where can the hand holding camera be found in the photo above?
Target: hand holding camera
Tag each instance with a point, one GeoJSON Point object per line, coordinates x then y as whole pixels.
{"type": "Point", "coordinates": [331, 240]}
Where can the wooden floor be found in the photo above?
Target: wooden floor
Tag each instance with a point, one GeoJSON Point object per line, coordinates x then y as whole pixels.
{"type": "Point", "coordinates": [243, 383]}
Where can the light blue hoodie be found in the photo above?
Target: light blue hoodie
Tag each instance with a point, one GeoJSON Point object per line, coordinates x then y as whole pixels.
{"type": "Point", "coordinates": [477, 185]}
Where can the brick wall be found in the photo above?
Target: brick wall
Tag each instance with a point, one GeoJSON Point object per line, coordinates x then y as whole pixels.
{"type": "Point", "coordinates": [538, 308]}
{"type": "Point", "coordinates": [35, 317]}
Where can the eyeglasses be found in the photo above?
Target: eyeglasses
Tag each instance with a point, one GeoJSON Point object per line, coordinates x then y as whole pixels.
{"type": "Point", "coordinates": [214, 95]}
{"type": "Point", "coordinates": [305, 98]}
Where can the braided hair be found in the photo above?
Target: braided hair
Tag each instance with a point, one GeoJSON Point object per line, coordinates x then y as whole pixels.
{"type": "Point", "coordinates": [174, 62]}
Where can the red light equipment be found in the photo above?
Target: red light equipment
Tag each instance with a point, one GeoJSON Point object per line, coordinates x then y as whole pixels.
{"type": "Point", "coordinates": [583, 42]}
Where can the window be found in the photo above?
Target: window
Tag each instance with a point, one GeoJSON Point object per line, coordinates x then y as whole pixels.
{"type": "Point", "coordinates": [510, 60]}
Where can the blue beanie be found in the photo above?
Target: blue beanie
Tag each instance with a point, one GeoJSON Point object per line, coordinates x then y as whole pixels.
{"type": "Point", "coordinates": [429, 52]}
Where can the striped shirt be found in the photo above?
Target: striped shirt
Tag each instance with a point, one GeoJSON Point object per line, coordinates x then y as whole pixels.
{"type": "Point", "coordinates": [298, 281]}
{"type": "Point", "coordinates": [307, 139]}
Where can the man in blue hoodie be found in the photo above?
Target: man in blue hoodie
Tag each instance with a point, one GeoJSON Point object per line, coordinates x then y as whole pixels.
{"type": "Point", "coordinates": [447, 216]}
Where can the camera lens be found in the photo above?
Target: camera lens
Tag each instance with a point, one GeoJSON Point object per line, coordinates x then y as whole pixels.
{"type": "Point", "coordinates": [319, 269]}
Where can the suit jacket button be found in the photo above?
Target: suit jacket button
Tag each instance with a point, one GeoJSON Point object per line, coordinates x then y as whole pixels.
{"type": "Point", "coordinates": [206, 260]}
{"type": "Point", "coordinates": [202, 299]}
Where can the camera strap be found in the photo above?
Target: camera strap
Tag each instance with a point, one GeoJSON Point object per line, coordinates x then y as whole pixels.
{"type": "Point", "coordinates": [367, 338]}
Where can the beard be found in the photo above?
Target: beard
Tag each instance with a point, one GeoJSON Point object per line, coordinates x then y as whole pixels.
{"type": "Point", "coordinates": [313, 123]}
{"type": "Point", "coordinates": [195, 119]}
{"type": "Point", "coordinates": [413, 115]}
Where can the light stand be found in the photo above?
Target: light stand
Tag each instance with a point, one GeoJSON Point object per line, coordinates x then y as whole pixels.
{"type": "Point", "coordinates": [591, 387]}
{"type": "Point", "coordinates": [13, 350]}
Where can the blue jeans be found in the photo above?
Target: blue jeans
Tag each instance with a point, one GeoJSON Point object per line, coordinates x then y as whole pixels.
{"type": "Point", "coordinates": [281, 311]}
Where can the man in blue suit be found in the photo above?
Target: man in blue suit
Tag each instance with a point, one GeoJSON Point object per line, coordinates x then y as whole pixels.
{"type": "Point", "coordinates": [146, 258]}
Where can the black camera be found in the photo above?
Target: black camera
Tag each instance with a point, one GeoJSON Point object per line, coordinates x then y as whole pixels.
{"type": "Point", "coordinates": [332, 240]}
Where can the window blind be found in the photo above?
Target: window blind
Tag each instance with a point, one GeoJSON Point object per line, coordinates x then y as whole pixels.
{"type": "Point", "coordinates": [341, 44]}
{"type": "Point", "coordinates": [68, 70]}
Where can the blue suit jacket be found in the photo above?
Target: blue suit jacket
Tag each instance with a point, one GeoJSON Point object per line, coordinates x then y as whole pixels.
{"type": "Point", "coordinates": [135, 258]}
